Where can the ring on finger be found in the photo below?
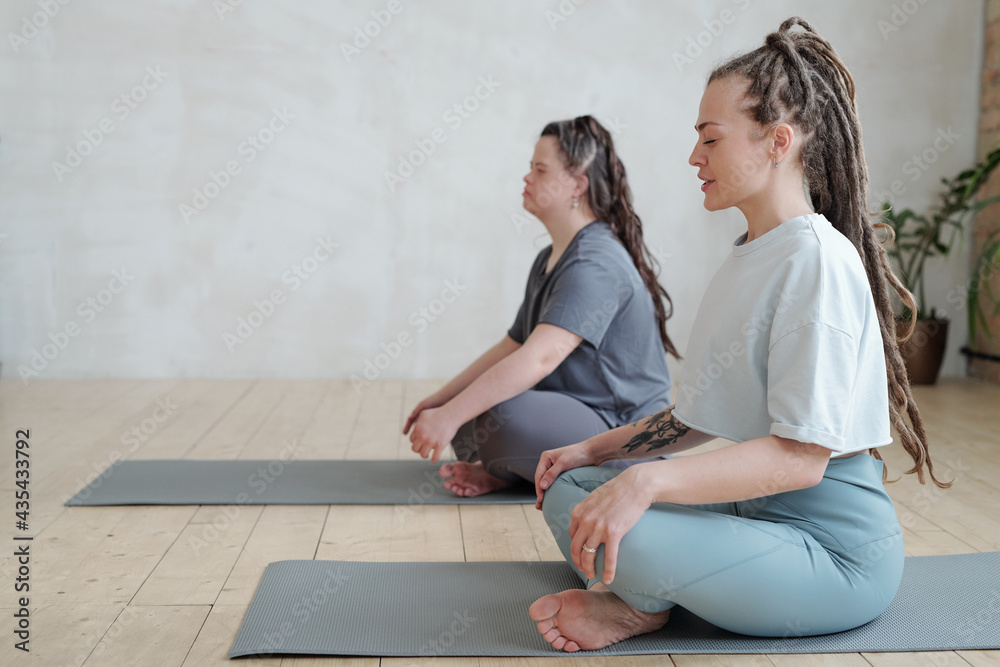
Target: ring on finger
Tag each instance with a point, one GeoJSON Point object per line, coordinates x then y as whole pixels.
{"type": "Point", "coordinates": [589, 549]}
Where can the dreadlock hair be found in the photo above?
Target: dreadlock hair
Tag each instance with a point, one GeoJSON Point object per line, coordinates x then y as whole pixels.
{"type": "Point", "coordinates": [797, 78]}
{"type": "Point", "coordinates": [585, 147]}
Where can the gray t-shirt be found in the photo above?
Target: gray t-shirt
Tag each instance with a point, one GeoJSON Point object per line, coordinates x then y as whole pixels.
{"type": "Point", "coordinates": [595, 291]}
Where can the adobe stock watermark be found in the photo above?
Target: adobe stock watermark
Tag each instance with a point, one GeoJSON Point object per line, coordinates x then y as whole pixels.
{"type": "Point", "coordinates": [223, 7]}
{"type": "Point", "coordinates": [303, 609]}
{"type": "Point", "coordinates": [258, 481]}
{"type": "Point", "coordinates": [417, 496]}
{"type": "Point", "coordinates": [249, 148]}
{"type": "Point", "coordinates": [420, 319]}
{"type": "Point", "coordinates": [898, 17]}
{"type": "Point", "coordinates": [696, 45]}
{"type": "Point", "coordinates": [968, 631]}
{"type": "Point", "coordinates": [121, 108]}
{"type": "Point", "coordinates": [37, 21]}
{"type": "Point", "coordinates": [563, 11]}
{"type": "Point", "coordinates": [889, 539]}
{"type": "Point", "coordinates": [453, 117]}
{"type": "Point", "coordinates": [458, 627]}
{"type": "Point", "coordinates": [759, 324]}
{"type": "Point", "coordinates": [929, 495]}
{"type": "Point", "coordinates": [918, 164]}
{"type": "Point", "coordinates": [125, 617]}
{"type": "Point", "coordinates": [264, 309]}
{"type": "Point", "coordinates": [751, 508]}
{"type": "Point", "coordinates": [959, 296]}
{"type": "Point", "coordinates": [89, 308]}
{"type": "Point", "coordinates": [661, 254]}
{"type": "Point", "coordinates": [598, 320]}
{"type": "Point", "coordinates": [363, 35]}
{"type": "Point", "coordinates": [985, 617]}
{"type": "Point", "coordinates": [133, 438]}
{"type": "Point", "coordinates": [664, 592]}
{"type": "Point", "coordinates": [468, 441]}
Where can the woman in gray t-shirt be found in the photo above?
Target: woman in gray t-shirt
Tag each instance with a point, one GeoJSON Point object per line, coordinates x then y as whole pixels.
{"type": "Point", "coordinates": [587, 349]}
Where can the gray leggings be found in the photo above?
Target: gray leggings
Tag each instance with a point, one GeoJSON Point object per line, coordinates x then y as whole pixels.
{"type": "Point", "coordinates": [510, 437]}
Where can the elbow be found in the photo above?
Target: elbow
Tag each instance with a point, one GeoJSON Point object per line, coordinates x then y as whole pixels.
{"type": "Point", "coordinates": [544, 361]}
{"type": "Point", "coordinates": [509, 345]}
{"type": "Point", "coordinates": [807, 463]}
{"type": "Point", "coordinates": [812, 475]}
{"type": "Point", "coordinates": [815, 465]}
{"type": "Point", "coordinates": [796, 479]}
{"type": "Point", "coordinates": [545, 365]}
{"type": "Point", "coordinates": [533, 364]}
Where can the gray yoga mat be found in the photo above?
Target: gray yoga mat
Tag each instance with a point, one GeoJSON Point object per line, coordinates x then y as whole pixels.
{"type": "Point", "coordinates": [481, 609]}
{"type": "Point", "coordinates": [276, 482]}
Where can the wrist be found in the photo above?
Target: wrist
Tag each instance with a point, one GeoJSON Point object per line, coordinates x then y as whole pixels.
{"type": "Point", "coordinates": [440, 397]}
{"type": "Point", "coordinates": [648, 480]}
{"type": "Point", "coordinates": [595, 452]}
{"type": "Point", "coordinates": [448, 412]}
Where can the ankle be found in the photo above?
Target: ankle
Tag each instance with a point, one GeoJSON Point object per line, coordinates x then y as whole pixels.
{"type": "Point", "coordinates": [637, 615]}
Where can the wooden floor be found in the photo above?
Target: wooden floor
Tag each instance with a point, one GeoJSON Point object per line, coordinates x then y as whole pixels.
{"type": "Point", "coordinates": [170, 585]}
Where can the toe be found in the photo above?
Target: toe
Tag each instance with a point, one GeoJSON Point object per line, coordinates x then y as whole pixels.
{"type": "Point", "coordinates": [571, 646]}
{"type": "Point", "coordinates": [559, 642]}
{"type": "Point", "coordinates": [545, 625]}
{"type": "Point", "coordinates": [544, 607]}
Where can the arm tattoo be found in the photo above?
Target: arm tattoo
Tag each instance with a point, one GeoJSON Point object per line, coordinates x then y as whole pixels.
{"type": "Point", "coordinates": [662, 429]}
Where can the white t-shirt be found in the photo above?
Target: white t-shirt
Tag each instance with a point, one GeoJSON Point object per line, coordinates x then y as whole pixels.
{"type": "Point", "coordinates": [786, 342]}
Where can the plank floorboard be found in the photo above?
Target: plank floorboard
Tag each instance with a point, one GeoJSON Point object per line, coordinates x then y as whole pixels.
{"type": "Point", "coordinates": [170, 585]}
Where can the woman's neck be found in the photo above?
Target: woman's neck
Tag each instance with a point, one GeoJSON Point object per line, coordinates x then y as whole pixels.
{"type": "Point", "coordinates": [563, 229]}
{"type": "Point", "coordinates": [767, 211]}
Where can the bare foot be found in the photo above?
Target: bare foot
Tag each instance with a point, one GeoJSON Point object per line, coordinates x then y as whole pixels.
{"type": "Point", "coordinates": [470, 479]}
{"type": "Point", "coordinates": [588, 620]}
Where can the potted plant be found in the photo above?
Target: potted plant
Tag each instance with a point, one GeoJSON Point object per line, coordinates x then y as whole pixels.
{"type": "Point", "coordinates": [980, 293]}
{"type": "Point", "coordinates": [919, 237]}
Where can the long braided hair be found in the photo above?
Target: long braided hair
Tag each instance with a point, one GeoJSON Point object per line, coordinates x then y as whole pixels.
{"type": "Point", "coordinates": [797, 77]}
{"type": "Point", "coordinates": [586, 147]}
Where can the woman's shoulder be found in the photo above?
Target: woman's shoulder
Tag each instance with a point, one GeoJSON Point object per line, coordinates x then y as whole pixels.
{"type": "Point", "coordinates": [817, 249]}
{"type": "Point", "coordinates": [823, 276]}
{"type": "Point", "coordinates": [601, 246]}
{"type": "Point", "coordinates": [838, 258]}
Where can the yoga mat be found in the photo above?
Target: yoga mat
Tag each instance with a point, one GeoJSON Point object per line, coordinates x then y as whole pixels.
{"type": "Point", "coordinates": [276, 482]}
{"type": "Point", "coordinates": [481, 609]}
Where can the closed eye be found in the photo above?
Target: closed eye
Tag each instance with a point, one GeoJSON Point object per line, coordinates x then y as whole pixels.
{"type": "Point", "coordinates": [711, 141]}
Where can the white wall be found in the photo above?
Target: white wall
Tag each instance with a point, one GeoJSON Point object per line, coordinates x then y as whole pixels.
{"type": "Point", "coordinates": [323, 175]}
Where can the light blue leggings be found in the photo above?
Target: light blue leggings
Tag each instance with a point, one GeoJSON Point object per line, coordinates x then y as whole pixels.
{"type": "Point", "coordinates": [807, 562]}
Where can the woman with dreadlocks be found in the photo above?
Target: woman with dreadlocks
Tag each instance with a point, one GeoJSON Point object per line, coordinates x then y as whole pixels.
{"type": "Point", "coordinates": [794, 357]}
{"type": "Point", "coordinates": [586, 351]}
